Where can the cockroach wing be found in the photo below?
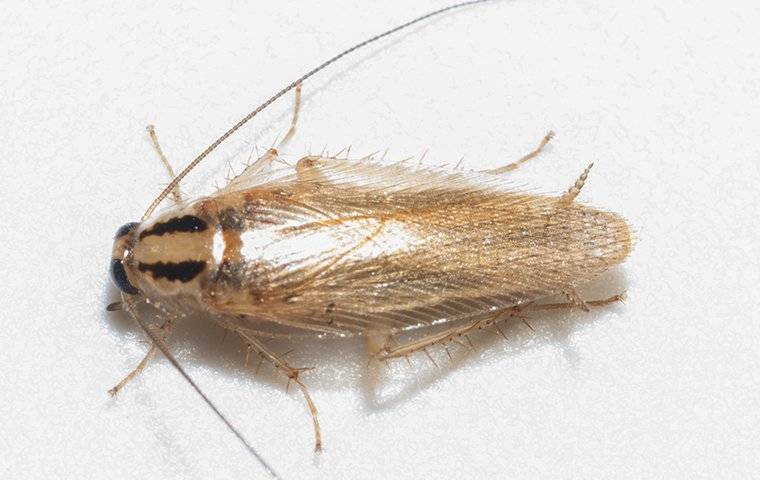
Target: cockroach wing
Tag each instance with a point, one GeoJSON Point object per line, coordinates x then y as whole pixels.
{"type": "Point", "coordinates": [356, 247]}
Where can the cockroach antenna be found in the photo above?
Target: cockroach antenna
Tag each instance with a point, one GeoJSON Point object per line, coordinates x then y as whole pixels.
{"type": "Point", "coordinates": [171, 186]}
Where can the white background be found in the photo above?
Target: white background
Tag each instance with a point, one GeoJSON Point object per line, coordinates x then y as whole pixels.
{"type": "Point", "coordinates": [662, 95]}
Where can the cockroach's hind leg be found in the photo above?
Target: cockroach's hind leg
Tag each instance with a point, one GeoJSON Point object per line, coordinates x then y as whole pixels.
{"type": "Point", "coordinates": [443, 338]}
{"type": "Point", "coordinates": [572, 304]}
{"type": "Point", "coordinates": [458, 334]}
{"type": "Point", "coordinates": [576, 299]}
{"type": "Point", "coordinates": [377, 343]}
{"type": "Point", "coordinates": [292, 373]}
{"type": "Point", "coordinates": [164, 331]}
{"type": "Point", "coordinates": [176, 194]}
{"type": "Point", "coordinates": [514, 165]}
{"type": "Point", "coordinates": [575, 189]}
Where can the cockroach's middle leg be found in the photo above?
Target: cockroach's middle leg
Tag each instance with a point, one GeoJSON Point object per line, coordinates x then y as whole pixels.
{"type": "Point", "coordinates": [307, 169]}
{"type": "Point", "coordinates": [514, 165]}
{"type": "Point", "coordinates": [157, 146]}
{"type": "Point", "coordinates": [291, 372]}
{"type": "Point", "coordinates": [164, 331]}
{"type": "Point", "coordinates": [271, 154]}
{"type": "Point", "coordinates": [294, 120]}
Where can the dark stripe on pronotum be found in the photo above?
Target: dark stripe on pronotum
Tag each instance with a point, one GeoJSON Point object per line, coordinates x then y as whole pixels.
{"type": "Point", "coordinates": [188, 223]}
{"type": "Point", "coordinates": [182, 271]}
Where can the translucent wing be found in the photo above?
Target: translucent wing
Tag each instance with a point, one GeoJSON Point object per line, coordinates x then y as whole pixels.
{"type": "Point", "coordinates": [355, 247]}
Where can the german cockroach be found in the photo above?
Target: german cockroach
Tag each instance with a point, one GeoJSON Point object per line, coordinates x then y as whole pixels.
{"type": "Point", "coordinates": [359, 247]}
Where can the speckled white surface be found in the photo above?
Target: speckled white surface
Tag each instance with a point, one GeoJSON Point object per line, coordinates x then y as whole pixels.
{"type": "Point", "coordinates": [663, 96]}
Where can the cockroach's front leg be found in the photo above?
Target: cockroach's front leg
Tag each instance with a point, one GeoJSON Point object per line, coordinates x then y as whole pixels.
{"type": "Point", "coordinates": [164, 331]}
{"type": "Point", "coordinates": [154, 140]}
{"type": "Point", "coordinates": [292, 373]}
{"type": "Point", "coordinates": [514, 165]}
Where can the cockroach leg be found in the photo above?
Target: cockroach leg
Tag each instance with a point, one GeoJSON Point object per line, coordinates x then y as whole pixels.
{"type": "Point", "coordinates": [576, 299]}
{"type": "Point", "coordinates": [264, 161]}
{"type": "Point", "coordinates": [456, 333]}
{"type": "Point", "coordinates": [164, 331]}
{"type": "Point", "coordinates": [292, 373]}
{"type": "Point", "coordinates": [514, 165]}
{"type": "Point", "coordinates": [307, 170]}
{"type": "Point", "coordinates": [430, 357]}
{"type": "Point", "coordinates": [377, 343]}
{"type": "Point", "coordinates": [294, 120]}
{"type": "Point", "coordinates": [447, 336]}
{"type": "Point", "coordinates": [569, 305]}
{"type": "Point", "coordinates": [157, 146]}
{"type": "Point", "coordinates": [573, 191]}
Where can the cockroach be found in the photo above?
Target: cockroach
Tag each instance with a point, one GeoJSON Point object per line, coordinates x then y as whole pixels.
{"type": "Point", "coordinates": [358, 247]}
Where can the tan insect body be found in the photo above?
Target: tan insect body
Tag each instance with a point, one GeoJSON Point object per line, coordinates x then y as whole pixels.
{"type": "Point", "coordinates": [356, 247]}
{"type": "Point", "coordinates": [350, 247]}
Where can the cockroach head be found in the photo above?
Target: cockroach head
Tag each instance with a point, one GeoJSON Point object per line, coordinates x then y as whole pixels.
{"type": "Point", "coordinates": [122, 246]}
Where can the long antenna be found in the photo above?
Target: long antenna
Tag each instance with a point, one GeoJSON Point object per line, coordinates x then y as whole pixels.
{"type": "Point", "coordinates": [158, 342]}
{"type": "Point", "coordinates": [169, 188]}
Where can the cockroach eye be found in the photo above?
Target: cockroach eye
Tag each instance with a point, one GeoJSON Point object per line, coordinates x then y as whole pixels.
{"type": "Point", "coordinates": [121, 246]}
{"type": "Point", "coordinates": [119, 277]}
{"type": "Point", "coordinates": [125, 229]}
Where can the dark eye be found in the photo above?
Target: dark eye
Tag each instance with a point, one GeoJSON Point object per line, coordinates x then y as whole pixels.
{"type": "Point", "coordinates": [125, 229]}
{"type": "Point", "coordinates": [119, 277]}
